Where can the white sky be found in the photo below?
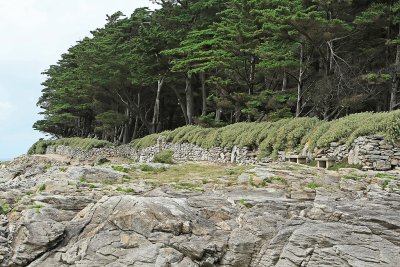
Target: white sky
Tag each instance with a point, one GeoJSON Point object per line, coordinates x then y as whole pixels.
{"type": "Point", "coordinates": [33, 35]}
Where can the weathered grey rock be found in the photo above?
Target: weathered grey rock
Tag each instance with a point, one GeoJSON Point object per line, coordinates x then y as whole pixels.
{"type": "Point", "coordinates": [351, 219]}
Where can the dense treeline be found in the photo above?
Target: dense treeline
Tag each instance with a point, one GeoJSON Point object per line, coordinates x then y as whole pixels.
{"type": "Point", "coordinates": [218, 62]}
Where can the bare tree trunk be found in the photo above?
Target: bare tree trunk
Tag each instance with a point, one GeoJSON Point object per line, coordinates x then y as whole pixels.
{"type": "Point", "coordinates": [203, 94]}
{"type": "Point", "coordinates": [395, 78]}
{"type": "Point", "coordinates": [237, 114]}
{"type": "Point", "coordinates": [218, 114]}
{"type": "Point", "coordinates": [284, 81]}
{"type": "Point", "coordinates": [189, 98]}
{"type": "Point", "coordinates": [300, 84]}
{"type": "Point", "coordinates": [181, 103]}
{"type": "Point", "coordinates": [156, 114]}
{"type": "Point", "coordinates": [135, 129]}
{"type": "Point", "coordinates": [127, 127]}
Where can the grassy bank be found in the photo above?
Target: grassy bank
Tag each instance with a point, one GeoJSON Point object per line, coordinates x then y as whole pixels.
{"type": "Point", "coordinates": [82, 143]}
{"type": "Point", "coordinates": [269, 137]}
{"type": "Point", "coordinates": [286, 134]}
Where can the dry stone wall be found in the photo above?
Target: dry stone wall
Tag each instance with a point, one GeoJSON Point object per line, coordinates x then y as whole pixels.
{"type": "Point", "coordinates": [373, 152]}
{"type": "Point", "coordinates": [182, 152]}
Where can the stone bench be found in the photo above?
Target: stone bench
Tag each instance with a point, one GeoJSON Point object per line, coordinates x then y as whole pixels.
{"type": "Point", "coordinates": [325, 162]}
{"type": "Point", "coordinates": [297, 159]}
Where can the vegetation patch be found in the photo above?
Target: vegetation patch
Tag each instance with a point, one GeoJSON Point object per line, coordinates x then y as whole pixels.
{"type": "Point", "coordinates": [120, 169]}
{"type": "Point", "coordinates": [42, 187]}
{"type": "Point", "coordinates": [344, 164]}
{"type": "Point", "coordinates": [164, 156]}
{"type": "Point", "coordinates": [313, 185]}
{"type": "Point", "coordinates": [4, 208]}
{"type": "Point", "coordinates": [125, 190]}
{"type": "Point", "coordinates": [245, 204]}
{"type": "Point", "coordinates": [287, 134]}
{"type": "Point", "coordinates": [81, 143]}
{"type": "Point", "coordinates": [387, 176]}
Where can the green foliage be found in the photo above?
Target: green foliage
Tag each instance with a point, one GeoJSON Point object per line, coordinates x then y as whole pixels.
{"type": "Point", "coordinates": [164, 156]}
{"type": "Point", "coordinates": [4, 208]}
{"type": "Point", "coordinates": [385, 184]}
{"type": "Point", "coordinates": [344, 164]}
{"type": "Point", "coordinates": [125, 190]}
{"type": "Point", "coordinates": [81, 143]}
{"type": "Point", "coordinates": [287, 134]}
{"type": "Point", "coordinates": [313, 185]}
{"type": "Point", "coordinates": [42, 187]}
{"type": "Point", "coordinates": [146, 141]}
{"type": "Point", "coordinates": [37, 206]}
{"type": "Point", "coordinates": [280, 114]}
{"type": "Point", "coordinates": [209, 121]}
{"type": "Point", "coordinates": [120, 169]}
{"type": "Point", "coordinates": [254, 60]}
{"type": "Point", "coordinates": [149, 168]}
{"type": "Point", "coordinates": [386, 176]}
{"type": "Point", "coordinates": [244, 203]}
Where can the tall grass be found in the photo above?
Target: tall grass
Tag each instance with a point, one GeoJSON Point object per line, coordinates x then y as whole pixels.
{"type": "Point", "coordinates": [269, 137]}
{"type": "Point", "coordinates": [82, 143]}
{"type": "Point", "coordinates": [287, 134]}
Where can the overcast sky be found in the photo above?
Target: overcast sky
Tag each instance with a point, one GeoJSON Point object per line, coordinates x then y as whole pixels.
{"type": "Point", "coordinates": [33, 35]}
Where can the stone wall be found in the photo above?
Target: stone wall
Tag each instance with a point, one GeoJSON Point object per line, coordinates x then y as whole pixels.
{"type": "Point", "coordinates": [373, 152]}
{"type": "Point", "coordinates": [182, 152]}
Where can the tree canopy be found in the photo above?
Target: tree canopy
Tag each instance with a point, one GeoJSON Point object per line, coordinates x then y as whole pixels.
{"type": "Point", "coordinates": [218, 62]}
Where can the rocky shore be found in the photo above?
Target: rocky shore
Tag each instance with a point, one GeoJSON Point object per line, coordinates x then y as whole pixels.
{"type": "Point", "coordinates": [59, 211]}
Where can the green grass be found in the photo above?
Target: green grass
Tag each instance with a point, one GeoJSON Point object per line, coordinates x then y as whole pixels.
{"type": "Point", "coordinates": [4, 208]}
{"type": "Point", "coordinates": [164, 156]}
{"type": "Point", "coordinates": [385, 184]}
{"type": "Point", "coordinates": [120, 169]}
{"type": "Point", "coordinates": [344, 164]}
{"type": "Point", "coordinates": [149, 168]}
{"type": "Point", "coordinates": [286, 134]}
{"type": "Point", "coordinates": [189, 186]}
{"type": "Point", "coordinates": [387, 176]}
{"type": "Point", "coordinates": [313, 185]}
{"type": "Point", "coordinates": [243, 203]}
{"type": "Point", "coordinates": [81, 143]}
{"type": "Point", "coordinates": [125, 190]}
{"type": "Point", "coordinates": [42, 187]}
{"type": "Point", "coordinates": [37, 206]}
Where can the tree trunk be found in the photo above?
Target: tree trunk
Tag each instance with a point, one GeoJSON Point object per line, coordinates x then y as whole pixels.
{"type": "Point", "coordinates": [127, 127]}
{"type": "Point", "coordinates": [300, 84]}
{"type": "Point", "coordinates": [237, 114]}
{"type": "Point", "coordinates": [135, 129]}
{"type": "Point", "coordinates": [284, 81]}
{"type": "Point", "coordinates": [395, 78]}
{"type": "Point", "coordinates": [218, 114]}
{"type": "Point", "coordinates": [181, 103]}
{"type": "Point", "coordinates": [189, 98]}
{"type": "Point", "coordinates": [156, 113]}
{"type": "Point", "coordinates": [203, 94]}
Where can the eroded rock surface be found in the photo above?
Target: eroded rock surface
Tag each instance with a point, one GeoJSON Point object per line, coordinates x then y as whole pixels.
{"type": "Point", "coordinates": [57, 212]}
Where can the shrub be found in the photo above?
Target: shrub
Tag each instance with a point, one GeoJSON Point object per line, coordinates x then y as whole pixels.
{"type": "Point", "coordinates": [313, 185]}
{"type": "Point", "coordinates": [164, 156]}
{"type": "Point", "coordinates": [42, 187]}
{"type": "Point", "coordinates": [125, 190]}
{"type": "Point", "coordinates": [5, 208]}
{"type": "Point", "coordinates": [120, 169]}
{"type": "Point", "coordinates": [149, 140]}
{"type": "Point", "coordinates": [81, 143]}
